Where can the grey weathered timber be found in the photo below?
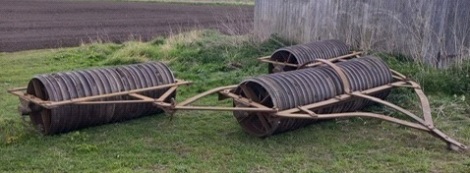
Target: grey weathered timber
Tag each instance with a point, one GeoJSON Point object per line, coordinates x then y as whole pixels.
{"type": "Point", "coordinates": [436, 32]}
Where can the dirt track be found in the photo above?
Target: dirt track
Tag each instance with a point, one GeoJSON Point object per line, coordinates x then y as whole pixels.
{"type": "Point", "coordinates": [38, 24]}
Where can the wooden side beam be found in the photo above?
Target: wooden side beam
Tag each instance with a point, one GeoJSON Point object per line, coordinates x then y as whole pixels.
{"type": "Point", "coordinates": [266, 59]}
{"type": "Point", "coordinates": [343, 97]}
{"type": "Point", "coordinates": [49, 104]}
{"type": "Point", "coordinates": [356, 114]}
{"type": "Point", "coordinates": [199, 96]}
{"type": "Point", "coordinates": [340, 58]}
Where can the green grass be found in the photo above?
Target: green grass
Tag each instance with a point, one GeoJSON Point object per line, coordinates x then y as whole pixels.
{"type": "Point", "coordinates": [212, 141]}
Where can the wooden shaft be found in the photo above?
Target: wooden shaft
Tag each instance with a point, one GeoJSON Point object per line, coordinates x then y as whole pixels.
{"type": "Point", "coordinates": [447, 139]}
{"type": "Point", "coordinates": [342, 97]}
{"type": "Point", "coordinates": [199, 96]}
{"type": "Point", "coordinates": [313, 64]}
{"type": "Point", "coordinates": [404, 86]}
{"type": "Point", "coordinates": [248, 109]}
{"type": "Point", "coordinates": [403, 77]}
{"type": "Point", "coordinates": [425, 106]}
{"type": "Point", "coordinates": [167, 94]}
{"type": "Point", "coordinates": [357, 114]}
{"type": "Point", "coordinates": [16, 89]}
{"type": "Point", "coordinates": [311, 113]}
{"type": "Point", "coordinates": [142, 97]}
{"type": "Point", "coordinates": [164, 105]}
{"type": "Point", "coordinates": [82, 99]}
{"type": "Point", "coordinates": [422, 126]}
{"type": "Point", "coordinates": [264, 57]}
{"type": "Point", "coordinates": [29, 98]}
{"type": "Point", "coordinates": [341, 74]}
{"type": "Point", "coordinates": [243, 100]}
{"type": "Point", "coordinates": [391, 105]}
{"type": "Point", "coordinates": [113, 102]}
{"type": "Point", "coordinates": [397, 78]}
{"type": "Point", "coordinates": [279, 63]}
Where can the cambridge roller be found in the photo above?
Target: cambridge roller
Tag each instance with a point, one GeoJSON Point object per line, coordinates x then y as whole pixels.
{"type": "Point", "coordinates": [305, 53]}
{"type": "Point", "coordinates": [301, 87]}
{"type": "Point", "coordinates": [85, 83]}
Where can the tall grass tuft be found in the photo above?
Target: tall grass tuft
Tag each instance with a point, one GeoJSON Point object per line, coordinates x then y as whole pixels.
{"type": "Point", "coordinates": [454, 80]}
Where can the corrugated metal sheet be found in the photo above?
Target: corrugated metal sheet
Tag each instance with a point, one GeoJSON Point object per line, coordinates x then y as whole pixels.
{"type": "Point", "coordinates": [434, 31]}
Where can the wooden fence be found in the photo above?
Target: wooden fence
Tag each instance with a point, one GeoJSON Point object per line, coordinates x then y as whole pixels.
{"type": "Point", "coordinates": [436, 32]}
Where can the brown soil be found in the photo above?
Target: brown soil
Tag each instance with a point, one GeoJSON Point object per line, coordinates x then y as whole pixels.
{"type": "Point", "coordinates": [39, 24]}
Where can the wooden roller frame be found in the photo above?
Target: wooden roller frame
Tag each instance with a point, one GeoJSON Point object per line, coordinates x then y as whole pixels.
{"type": "Point", "coordinates": [303, 111]}
{"type": "Point", "coordinates": [354, 54]}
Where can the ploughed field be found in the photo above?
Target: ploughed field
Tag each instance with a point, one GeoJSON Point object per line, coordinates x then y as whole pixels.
{"type": "Point", "coordinates": [33, 24]}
